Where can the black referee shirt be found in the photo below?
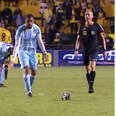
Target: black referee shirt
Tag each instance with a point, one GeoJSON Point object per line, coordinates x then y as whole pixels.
{"type": "Point", "coordinates": [89, 36]}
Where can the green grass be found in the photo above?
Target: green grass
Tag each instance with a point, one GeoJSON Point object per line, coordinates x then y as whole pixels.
{"type": "Point", "coordinates": [49, 85]}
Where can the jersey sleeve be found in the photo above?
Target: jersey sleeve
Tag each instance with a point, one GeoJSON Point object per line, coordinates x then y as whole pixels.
{"type": "Point", "coordinates": [17, 33]}
{"type": "Point", "coordinates": [40, 42]}
{"type": "Point", "coordinates": [17, 43]}
{"type": "Point", "coordinates": [19, 30]}
{"type": "Point", "coordinates": [100, 28]}
{"type": "Point", "coordinates": [37, 29]}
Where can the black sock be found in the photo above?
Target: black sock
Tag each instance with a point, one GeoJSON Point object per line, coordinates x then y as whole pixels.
{"type": "Point", "coordinates": [92, 78]}
{"type": "Point", "coordinates": [88, 77]}
{"type": "Point", "coordinates": [6, 71]}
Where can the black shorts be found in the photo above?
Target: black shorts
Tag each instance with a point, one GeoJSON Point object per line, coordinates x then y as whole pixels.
{"type": "Point", "coordinates": [89, 56]}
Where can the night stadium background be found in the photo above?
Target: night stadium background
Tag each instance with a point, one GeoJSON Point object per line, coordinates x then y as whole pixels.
{"type": "Point", "coordinates": [59, 21]}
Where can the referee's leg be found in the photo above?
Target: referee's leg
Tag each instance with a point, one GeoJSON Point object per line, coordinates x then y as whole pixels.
{"type": "Point", "coordinates": [93, 58]}
{"type": "Point", "coordinates": [87, 67]}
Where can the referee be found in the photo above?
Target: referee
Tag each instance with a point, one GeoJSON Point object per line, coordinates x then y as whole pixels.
{"type": "Point", "coordinates": [88, 34]}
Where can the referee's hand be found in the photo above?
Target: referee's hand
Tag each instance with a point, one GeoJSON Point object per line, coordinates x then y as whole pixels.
{"type": "Point", "coordinates": [104, 54]}
{"type": "Point", "coordinates": [76, 53]}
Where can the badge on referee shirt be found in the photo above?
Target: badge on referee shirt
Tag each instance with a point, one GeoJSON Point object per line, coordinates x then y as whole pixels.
{"type": "Point", "coordinates": [84, 32]}
{"type": "Point", "coordinates": [92, 32]}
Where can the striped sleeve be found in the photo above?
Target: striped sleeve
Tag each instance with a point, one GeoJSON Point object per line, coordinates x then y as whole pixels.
{"type": "Point", "coordinates": [18, 32]}
{"type": "Point", "coordinates": [40, 43]}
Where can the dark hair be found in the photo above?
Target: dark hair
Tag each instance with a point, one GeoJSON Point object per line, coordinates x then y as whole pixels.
{"type": "Point", "coordinates": [29, 16]}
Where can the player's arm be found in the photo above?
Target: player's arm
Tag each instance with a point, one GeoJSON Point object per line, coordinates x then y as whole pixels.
{"type": "Point", "coordinates": [41, 45]}
{"type": "Point", "coordinates": [103, 43]}
{"type": "Point", "coordinates": [16, 48]}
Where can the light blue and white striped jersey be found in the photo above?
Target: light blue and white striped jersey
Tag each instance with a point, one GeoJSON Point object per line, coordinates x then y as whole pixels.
{"type": "Point", "coordinates": [28, 37]}
{"type": "Point", "coordinates": [4, 49]}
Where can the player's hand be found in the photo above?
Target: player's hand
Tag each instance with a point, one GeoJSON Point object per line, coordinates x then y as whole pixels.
{"type": "Point", "coordinates": [45, 57]}
{"type": "Point", "coordinates": [76, 53]}
{"type": "Point", "coordinates": [11, 65]}
{"type": "Point", "coordinates": [104, 54]}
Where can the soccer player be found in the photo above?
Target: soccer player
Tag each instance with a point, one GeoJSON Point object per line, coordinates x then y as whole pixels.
{"type": "Point", "coordinates": [26, 39]}
{"type": "Point", "coordinates": [5, 51]}
{"type": "Point", "coordinates": [5, 36]}
{"type": "Point", "coordinates": [89, 34]}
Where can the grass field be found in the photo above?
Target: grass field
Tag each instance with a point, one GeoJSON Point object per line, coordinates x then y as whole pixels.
{"type": "Point", "coordinates": [49, 85]}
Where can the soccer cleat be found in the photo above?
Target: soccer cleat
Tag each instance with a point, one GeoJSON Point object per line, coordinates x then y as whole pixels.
{"type": "Point", "coordinates": [91, 90]}
{"type": "Point", "coordinates": [30, 94]}
{"type": "Point", "coordinates": [2, 85]}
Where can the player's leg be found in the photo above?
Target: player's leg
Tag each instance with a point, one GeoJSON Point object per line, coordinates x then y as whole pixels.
{"type": "Point", "coordinates": [33, 67]}
{"type": "Point", "coordinates": [6, 71]}
{"type": "Point", "coordinates": [1, 79]}
{"type": "Point", "coordinates": [2, 76]}
{"type": "Point", "coordinates": [24, 61]}
{"type": "Point", "coordinates": [5, 67]}
{"type": "Point", "coordinates": [1, 71]}
{"type": "Point", "coordinates": [32, 77]}
{"type": "Point", "coordinates": [26, 78]}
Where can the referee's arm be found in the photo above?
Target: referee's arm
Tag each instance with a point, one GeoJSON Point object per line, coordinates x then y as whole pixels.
{"type": "Point", "coordinates": [103, 43]}
{"type": "Point", "coordinates": [77, 45]}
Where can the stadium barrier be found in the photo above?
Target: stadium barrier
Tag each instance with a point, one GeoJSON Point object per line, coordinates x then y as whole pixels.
{"type": "Point", "coordinates": [67, 58]}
